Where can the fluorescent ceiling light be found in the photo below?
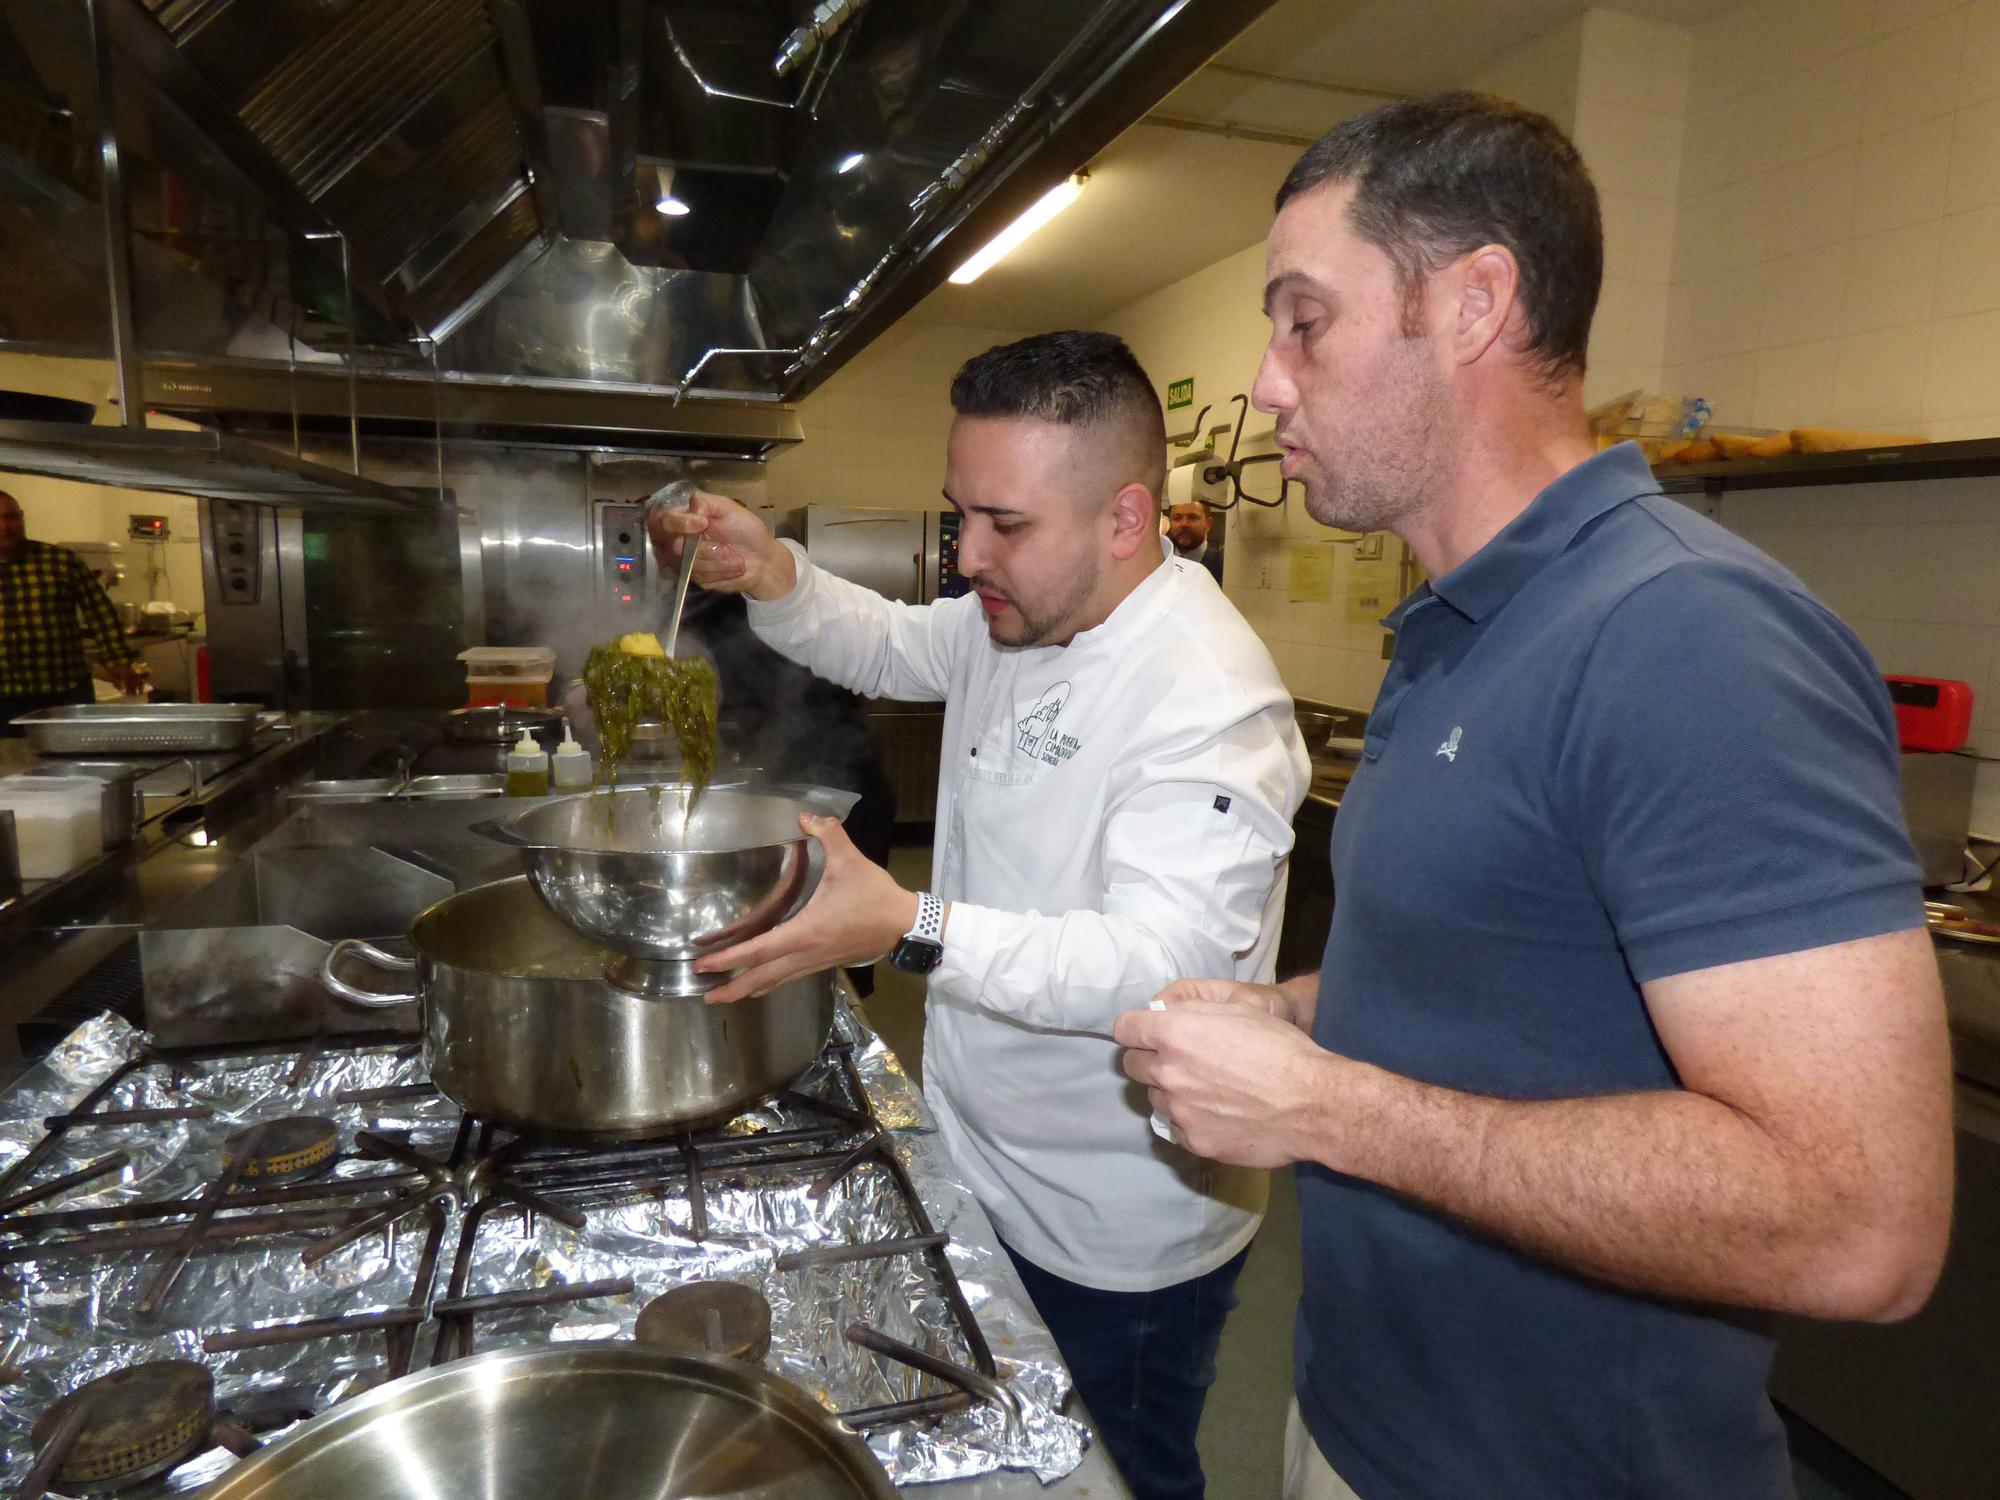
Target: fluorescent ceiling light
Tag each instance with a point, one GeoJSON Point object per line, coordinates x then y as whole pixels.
{"type": "Point", "coordinates": [671, 206]}
{"type": "Point", "coordinates": [1051, 203]}
{"type": "Point", "coordinates": [849, 163]}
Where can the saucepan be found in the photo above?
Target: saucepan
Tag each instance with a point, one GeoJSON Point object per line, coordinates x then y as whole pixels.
{"type": "Point", "coordinates": [522, 1027]}
{"type": "Point", "coordinates": [607, 1419]}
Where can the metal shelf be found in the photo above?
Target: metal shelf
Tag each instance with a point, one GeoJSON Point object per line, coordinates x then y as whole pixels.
{"type": "Point", "coordinates": [1974, 458]}
{"type": "Point", "coordinates": [206, 464]}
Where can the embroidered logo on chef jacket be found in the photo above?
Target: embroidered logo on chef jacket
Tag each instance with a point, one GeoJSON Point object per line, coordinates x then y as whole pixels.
{"type": "Point", "coordinates": [1449, 749]}
{"type": "Point", "coordinates": [1036, 737]}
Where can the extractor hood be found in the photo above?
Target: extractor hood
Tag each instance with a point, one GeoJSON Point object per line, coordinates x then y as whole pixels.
{"type": "Point", "coordinates": [659, 221]}
{"type": "Point", "coordinates": [208, 465]}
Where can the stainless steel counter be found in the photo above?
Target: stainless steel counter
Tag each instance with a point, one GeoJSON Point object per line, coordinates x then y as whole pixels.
{"type": "Point", "coordinates": [198, 813]}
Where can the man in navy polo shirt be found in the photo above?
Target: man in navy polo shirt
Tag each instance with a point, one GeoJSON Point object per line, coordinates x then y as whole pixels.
{"type": "Point", "coordinates": [1628, 1033]}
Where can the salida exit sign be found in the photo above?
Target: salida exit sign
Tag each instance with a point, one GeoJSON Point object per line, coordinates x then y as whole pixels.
{"type": "Point", "coordinates": [1180, 393]}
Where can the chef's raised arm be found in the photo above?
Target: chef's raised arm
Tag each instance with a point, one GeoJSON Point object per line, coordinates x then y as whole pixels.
{"type": "Point", "coordinates": [847, 634]}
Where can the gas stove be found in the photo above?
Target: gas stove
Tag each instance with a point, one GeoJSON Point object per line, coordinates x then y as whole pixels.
{"type": "Point", "coordinates": [246, 1236]}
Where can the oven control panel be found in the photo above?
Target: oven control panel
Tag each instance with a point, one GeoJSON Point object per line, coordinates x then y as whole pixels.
{"type": "Point", "coordinates": [622, 552]}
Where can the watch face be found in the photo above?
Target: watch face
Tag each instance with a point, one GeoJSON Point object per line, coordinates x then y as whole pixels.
{"type": "Point", "coordinates": [915, 956]}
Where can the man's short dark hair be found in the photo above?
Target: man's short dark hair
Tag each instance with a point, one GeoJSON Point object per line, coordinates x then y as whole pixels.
{"type": "Point", "coordinates": [1437, 177]}
{"type": "Point", "coordinates": [1074, 378]}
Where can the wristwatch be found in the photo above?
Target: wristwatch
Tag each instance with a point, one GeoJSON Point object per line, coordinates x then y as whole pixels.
{"type": "Point", "coordinates": [922, 947]}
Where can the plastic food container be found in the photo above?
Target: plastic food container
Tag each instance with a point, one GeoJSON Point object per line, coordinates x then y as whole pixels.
{"type": "Point", "coordinates": [58, 822]}
{"type": "Point", "coordinates": [517, 676]}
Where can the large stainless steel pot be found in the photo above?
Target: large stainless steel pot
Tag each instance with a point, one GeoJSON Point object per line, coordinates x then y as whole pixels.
{"type": "Point", "coordinates": [610, 1420]}
{"type": "Point", "coordinates": [521, 1026]}
{"type": "Point", "coordinates": [635, 872]}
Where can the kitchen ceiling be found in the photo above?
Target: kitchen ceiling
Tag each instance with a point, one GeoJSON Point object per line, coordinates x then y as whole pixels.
{"type": "Point", "coordinates": [1178, 191]}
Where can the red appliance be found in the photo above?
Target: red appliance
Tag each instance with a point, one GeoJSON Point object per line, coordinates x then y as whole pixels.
{"type": "Point", "coordinates": [1932, 713]}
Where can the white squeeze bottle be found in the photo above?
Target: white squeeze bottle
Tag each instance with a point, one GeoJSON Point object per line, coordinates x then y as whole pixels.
{"type": "Point", "coordinates": [571, 767]}
{"type": "Point", "coordinates": [527, 768]}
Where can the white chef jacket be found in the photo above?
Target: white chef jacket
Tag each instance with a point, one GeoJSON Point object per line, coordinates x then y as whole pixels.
{"type": "Point", "coordinates": [1113, 815]}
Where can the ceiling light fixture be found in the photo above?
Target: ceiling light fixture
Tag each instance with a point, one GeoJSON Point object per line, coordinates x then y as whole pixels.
{"type": "Point", "coordinates": [671, 206]}
{"type": "Point", "coordinates": [1045, 208]}
{"type": "Point", "coordinates": [849, 162]}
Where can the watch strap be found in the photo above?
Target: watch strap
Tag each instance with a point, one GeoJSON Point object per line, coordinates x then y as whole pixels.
{"type": "Point", "coordinates": [929, 927]}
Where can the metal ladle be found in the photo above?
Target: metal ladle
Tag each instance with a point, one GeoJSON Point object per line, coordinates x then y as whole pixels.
{"type": "Point", "coordinates": [677, 494]}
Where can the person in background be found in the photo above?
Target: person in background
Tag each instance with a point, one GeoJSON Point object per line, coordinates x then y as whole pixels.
{"type": "Point", "coordinates": [1188, 523]}
{"type": "Point", "coordinates": [1119, 772]}
{"type": "Point", "coordinates": [1628, 1034]}
{"type": "Point", "coordinates": [49, 601]}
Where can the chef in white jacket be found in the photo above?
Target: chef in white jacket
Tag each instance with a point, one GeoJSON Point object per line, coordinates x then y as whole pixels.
{"type": "Point", "coordinates": [1120, 769]}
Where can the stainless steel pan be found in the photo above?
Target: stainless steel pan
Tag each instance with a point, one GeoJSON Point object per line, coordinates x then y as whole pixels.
{"type": "Point", "coordinates": [610, 1420]}
{"type": "Point", "coordinates": [139, 728]}
{"type": "Point", "coordinates": [521, 1027]}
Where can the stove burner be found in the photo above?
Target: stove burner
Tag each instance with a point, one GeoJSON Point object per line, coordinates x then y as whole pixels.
{"type": "Point", "coordinates": [290, 1149]}
{"type": "Point", "coordinates": [709, 1317]}
{"type": "Point", "coordinates": [141, 1421]}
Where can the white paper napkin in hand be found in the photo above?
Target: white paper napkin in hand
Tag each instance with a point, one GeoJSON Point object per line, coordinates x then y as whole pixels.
{"type": "Point", "coordinates": [1161, 1127]}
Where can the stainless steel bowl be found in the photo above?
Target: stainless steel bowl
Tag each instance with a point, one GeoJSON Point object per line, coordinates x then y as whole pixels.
{"type": "Point", "coordinates": [609, 1420]}
{"type": "Point", "coordinates": [636, 871]}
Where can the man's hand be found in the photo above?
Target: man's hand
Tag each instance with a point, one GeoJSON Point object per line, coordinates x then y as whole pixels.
{"type": "Point", "coordinates": [856, 915]}
{"type": "Point", "coordinates": [736, 555]}
{"type": "Point", "coordinates": [1238, 1083]}
{"type": "Point", "coordinates": [1269, 998]}
{"type": "Point", "coordinates": [128, 677]}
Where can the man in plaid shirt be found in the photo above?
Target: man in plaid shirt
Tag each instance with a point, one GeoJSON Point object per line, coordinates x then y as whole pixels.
{"type": "Point", "coordinates": [48, 601]}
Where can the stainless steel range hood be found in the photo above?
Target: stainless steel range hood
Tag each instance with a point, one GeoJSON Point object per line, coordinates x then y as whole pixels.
{"type": "Point", "coordinates": [207, 465]}
{"type": "Point", "coordinates": [648, 223]}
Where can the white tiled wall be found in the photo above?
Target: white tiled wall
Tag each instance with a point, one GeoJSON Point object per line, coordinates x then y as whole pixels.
{"type": "Point", "coordinates": [1914, 568]}
{"type": "Point", "coordinates": [875, 432]}
{"type": "Point", "coordinates": [1619, 85]}
{"type": "Point", "coordinates": [1837, 257]}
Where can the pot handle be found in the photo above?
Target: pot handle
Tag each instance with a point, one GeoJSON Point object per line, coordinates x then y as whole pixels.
{"type": "Point", "coordinates": [374, 955]}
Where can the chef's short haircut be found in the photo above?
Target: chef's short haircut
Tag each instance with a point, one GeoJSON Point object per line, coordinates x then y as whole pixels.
{"type": "Point", "coordinates": [1073, 378]}
{"type": "Point", "coordinates": [1436, 177]}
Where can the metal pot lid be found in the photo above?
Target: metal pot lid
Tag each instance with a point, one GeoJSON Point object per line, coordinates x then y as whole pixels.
{"type": "Point", "coordinates": [609, 1419]}
{"type": "Point", "coordinates": [730, 1318]}
{"type": "Point", "coordinates": [497, 723]}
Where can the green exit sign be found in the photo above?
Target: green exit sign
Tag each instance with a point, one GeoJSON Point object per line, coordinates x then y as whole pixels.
{"type": "Point", "coordinates": [1180, 393]}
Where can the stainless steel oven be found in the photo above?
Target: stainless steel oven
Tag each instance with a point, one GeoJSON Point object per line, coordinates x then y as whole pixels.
{"type": "Point", "coordinates": [907, 555]}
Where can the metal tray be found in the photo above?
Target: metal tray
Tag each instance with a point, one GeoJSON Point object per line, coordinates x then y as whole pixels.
{"type": "Point", "coordinates": [139, 728]}
{"type": "Point", "coordinates": [1958, 924]}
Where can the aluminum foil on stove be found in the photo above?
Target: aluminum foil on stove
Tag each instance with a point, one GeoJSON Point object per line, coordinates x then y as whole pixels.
{"type": "Point", "coordinates": [68, 1320]}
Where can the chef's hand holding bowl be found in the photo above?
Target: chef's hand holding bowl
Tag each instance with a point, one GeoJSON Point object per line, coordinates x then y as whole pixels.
{"type": "Point", "coordinates": [1227, 1065]}
{"type": "Point", "coordinates": [857, 914]}
{"type": "Point", "coordinates": [736, 552]}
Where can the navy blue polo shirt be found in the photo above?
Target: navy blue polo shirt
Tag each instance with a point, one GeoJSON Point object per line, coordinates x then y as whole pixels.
{"type": "Point", "coordinates": [1615, 744]}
